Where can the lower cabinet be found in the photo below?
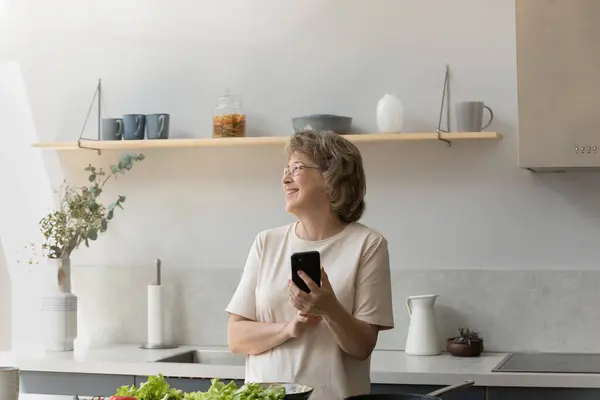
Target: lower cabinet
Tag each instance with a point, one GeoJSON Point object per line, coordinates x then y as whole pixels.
{"type": "Point", "coordinates": [468, 393]}
{"type": "Point", "coordinates": [59, 383]}
{"type": "Point", "coordinates": [496, 393]}
{"type": "Point", "coordinates": [508, 393]}
{"type": "Point", "coordinates": [188, 384]}
{"type": "Point", "coordinates": [69, 384]}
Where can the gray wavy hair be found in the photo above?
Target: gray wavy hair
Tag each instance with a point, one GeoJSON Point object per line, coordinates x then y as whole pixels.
{"type": "Point", "coordinates": [342, 167]}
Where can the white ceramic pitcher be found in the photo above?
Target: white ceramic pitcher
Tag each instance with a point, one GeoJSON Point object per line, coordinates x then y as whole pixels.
{"type": "Point", "coordinates": [422, 339]}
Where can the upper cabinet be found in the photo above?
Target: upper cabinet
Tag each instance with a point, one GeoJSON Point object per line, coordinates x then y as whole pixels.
{"type": "Point", "coordinates": [558, 75]}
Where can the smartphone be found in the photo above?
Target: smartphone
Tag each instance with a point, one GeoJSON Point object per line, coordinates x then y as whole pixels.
{"type": "Point", "coordinates": [308, 262]}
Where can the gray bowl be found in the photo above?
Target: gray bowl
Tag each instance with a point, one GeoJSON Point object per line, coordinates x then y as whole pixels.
{"type": "Point", "coordinates": [322, 122]}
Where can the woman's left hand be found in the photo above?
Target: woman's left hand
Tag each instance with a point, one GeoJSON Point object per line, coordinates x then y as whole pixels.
{"type": "Point", "coordinates": [320, 301]}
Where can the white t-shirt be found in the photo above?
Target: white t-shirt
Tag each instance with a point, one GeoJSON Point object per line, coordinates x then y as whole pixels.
{"type": "Point", "coordinates": [357, 263]}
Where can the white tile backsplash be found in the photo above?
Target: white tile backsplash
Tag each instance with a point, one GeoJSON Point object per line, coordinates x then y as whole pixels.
{"type": "Point", "coordinates": [554, 310]}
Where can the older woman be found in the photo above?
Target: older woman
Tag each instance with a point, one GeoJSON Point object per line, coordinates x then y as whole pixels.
{"type": "Point", "coordinates": [323, 338]}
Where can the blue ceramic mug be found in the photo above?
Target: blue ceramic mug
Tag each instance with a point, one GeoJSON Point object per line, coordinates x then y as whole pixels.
{"type": "Point", "coordinates": [134, 126]}
{"type": "Point", "coordinates": [157, 126]}
{"type": "Point", "coordinates": [112, 128]}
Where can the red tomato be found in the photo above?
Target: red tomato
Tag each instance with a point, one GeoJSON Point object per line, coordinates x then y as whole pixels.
{"type": "Point", "coordinates": [122, 398]}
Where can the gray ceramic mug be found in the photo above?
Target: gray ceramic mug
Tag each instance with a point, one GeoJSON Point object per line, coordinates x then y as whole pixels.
{"type": "Point", "coordinates": [469, 116]}
{"type": "Point", "coordinates": [134, 126]}
{"type": "Point", "coordinates": [157, 126]}
{"type": "Point", "coordinates": [112, 128]}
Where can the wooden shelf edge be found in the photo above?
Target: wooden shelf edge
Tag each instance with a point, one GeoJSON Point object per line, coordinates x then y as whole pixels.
{"type": "Point", "coordinates": [254, 141]}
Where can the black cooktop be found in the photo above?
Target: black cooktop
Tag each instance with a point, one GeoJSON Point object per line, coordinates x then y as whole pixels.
{"type": "Point", "coordinates": [576, 363]}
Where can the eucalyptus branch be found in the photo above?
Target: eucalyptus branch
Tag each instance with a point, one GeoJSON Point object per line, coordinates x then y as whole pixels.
{"type": "Point", "coordinates": [80, 217]}
{"type": "Point", "coordinates": [106, 179]}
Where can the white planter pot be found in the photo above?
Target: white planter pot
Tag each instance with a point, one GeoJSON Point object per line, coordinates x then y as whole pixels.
{"type": "Point", "coordinates": [58, 307]}
{"type": "Point", "coordinates": [390, 114]}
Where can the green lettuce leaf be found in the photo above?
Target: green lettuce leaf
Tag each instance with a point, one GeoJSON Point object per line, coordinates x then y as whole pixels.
{"type": "Point", "coordinates": [156, 388]}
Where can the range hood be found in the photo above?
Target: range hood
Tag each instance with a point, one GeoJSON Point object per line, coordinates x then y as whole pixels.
{"type": "Point", "coordinates": [558, 83]}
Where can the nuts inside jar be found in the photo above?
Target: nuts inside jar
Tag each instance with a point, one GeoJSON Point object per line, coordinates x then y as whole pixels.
{"type": "Point", "coordinates": [230, 125]}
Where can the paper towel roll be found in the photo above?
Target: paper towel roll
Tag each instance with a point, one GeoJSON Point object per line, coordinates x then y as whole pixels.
{"type": "Point", "coordinates": [155, 315]}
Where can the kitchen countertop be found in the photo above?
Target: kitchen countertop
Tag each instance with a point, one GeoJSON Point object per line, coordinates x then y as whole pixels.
{"type": "Point", "coordinates": [391, 367]}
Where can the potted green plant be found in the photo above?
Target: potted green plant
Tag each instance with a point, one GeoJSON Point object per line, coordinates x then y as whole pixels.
{"type": "Point", "coordinates": [79, 218]}
{"type": "Point", "coordinates": [468, 343]}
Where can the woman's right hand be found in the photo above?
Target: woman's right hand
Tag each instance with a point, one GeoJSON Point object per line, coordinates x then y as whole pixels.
{"type": "Point", "coordinates": [301, 323]}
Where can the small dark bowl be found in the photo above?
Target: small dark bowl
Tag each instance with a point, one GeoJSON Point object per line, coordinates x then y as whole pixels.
{"type": "Point", "coordinates": [323, 122]}
{"type": "Point", "coordinates": [464, 349]}
{"type": "Point", "coordinates": [293, 391]}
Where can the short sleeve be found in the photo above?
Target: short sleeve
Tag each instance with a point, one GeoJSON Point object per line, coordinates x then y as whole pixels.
{"type": "Point", "coordinates": [243, 302]}
{"type": "Point", "coordinates": [373, 286]}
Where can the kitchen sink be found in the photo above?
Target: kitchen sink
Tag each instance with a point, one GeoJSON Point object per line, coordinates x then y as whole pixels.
{"type": "Point", "coordinates": [212, 357]}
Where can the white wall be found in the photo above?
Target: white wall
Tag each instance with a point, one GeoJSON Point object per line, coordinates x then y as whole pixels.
{"type": "Point", "coordinates": [5, 304]}
{"type": "Point", "coordinates": [5, 289]}
{"type": "Point", "coordinates": [466, 207]}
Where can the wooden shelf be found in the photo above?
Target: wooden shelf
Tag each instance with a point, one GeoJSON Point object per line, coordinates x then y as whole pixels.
{"type": "Point", "coordinates": [255, 141]}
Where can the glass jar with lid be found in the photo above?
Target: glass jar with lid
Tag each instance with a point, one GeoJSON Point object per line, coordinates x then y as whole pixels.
{"type": "Point", "coordinates": [229, 119]}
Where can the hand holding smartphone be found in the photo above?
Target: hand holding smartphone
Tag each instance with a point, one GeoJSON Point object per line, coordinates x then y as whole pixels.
{"type": "Point", "coordinates": [308, 262]}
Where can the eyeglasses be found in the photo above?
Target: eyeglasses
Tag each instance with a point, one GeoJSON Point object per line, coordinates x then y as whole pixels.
{"type": "Point", "coordinates": [295, 169]}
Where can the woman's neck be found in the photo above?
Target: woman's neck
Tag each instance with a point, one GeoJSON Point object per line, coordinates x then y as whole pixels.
{"type": "Point", "coordinates": [319, 228]}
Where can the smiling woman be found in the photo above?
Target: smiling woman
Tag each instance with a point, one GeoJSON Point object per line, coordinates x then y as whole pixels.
{"type": "Point", "coordinates": [324, 338]}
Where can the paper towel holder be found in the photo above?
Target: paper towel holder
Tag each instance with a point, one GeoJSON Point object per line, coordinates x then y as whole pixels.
{"type": "Point", "coordinates": [158, 346]}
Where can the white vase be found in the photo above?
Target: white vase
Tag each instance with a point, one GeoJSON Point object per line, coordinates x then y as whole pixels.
{"type": "Point", "coordinates": [58, 307]}
{"type": "Point", "coordinates": [58, 276]}
{"type": "Point", "coordinates": [390, 114]}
